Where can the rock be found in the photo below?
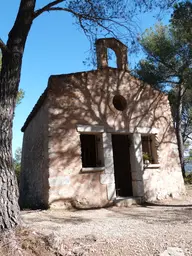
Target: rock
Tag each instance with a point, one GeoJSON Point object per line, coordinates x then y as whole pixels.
{"type": "Point", "coordinates": [173, 251]}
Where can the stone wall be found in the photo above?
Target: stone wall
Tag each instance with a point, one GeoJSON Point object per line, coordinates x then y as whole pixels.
{"type": "Point", "coordinates": [87, 99]}
{"type": "Point", "coordinates": [34, 170]}
{"type": "Point", "coordinates": [52, 172]}
{"type": "Point", "coordinates": [69, 186]}
{"type": "Point", "coordinates": [119, 49]}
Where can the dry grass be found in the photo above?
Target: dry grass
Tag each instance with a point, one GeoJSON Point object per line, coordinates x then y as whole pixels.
{"type": "Point", "coordinates": [24, 242]}
{"type": "Point", "coordinates": [27, 242]}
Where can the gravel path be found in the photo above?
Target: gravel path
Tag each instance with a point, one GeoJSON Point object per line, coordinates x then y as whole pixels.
{"type": "Point", "coordinates": [146, 230]}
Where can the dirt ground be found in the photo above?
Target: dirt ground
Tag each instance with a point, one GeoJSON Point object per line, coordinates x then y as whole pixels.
{"type": "Point", "coordinates": [137, 230]}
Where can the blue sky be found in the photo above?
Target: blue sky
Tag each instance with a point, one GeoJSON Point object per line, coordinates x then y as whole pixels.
{"type": "Point", "coordinates": [54, 46]}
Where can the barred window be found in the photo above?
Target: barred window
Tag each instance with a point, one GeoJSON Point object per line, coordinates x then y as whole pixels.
{"type": "Point", "coordinates": [91, 150]}
{"type": "Point", "coordinates": [149, 149]}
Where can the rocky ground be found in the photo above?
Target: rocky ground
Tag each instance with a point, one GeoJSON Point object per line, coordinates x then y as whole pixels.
{"type": "Point", "coordinates": [144, 230]}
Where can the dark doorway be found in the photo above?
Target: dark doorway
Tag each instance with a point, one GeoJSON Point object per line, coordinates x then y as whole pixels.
{"type": "Point", "coordinates": [121, 158]}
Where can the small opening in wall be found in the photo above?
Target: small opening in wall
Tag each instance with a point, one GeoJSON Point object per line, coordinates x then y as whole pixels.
{"type": "Point", "coordinates": [149, 149]}
{"type": "Point", "coordinates": [92, 150]}
{"type": "Point", "coordinates": [119, 102]}
{"type": "Point", "coordinates": [112, 58]}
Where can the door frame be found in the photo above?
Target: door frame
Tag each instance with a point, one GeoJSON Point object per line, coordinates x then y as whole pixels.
{"type": "Point", "coordinates": [128, 137]}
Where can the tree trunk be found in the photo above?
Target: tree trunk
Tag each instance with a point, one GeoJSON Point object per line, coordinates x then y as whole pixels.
{"type": "Point", "coordinates": [178, 127]}
{"type": "Point", "coordinates": [9, 209]}
{"type": "Point", "coordinates": [9, 83]}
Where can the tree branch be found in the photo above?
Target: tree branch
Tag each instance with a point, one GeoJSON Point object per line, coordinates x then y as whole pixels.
{"type": "Point", "coordinates": [3, 46]}
{"type": "Point", "coordinates": [47, 7]}
{"type": "Point", "coordinates": [80, 16]}
{"type": "Point", "coordinates": [169, 82]}
{"type": "Point", "coordinates": [188, 137]}
{"type": "Point", "coordinates": [83, 17]}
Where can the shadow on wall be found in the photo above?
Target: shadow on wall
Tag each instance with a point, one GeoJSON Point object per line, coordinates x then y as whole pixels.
{"type": "Point", "coordinates": [87, 99]}
{"type": "Point", "coordinates": [34, 185]}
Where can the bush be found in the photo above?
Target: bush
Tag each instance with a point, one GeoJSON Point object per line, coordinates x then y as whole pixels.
{"type": "Point", "coordinates": [188, 179]}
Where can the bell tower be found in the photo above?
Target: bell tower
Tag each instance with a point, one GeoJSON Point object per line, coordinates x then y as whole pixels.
{"type": "Point", "coordinates": [119, 48]}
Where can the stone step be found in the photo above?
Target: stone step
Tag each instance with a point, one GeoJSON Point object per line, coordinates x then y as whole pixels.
{"type": "Point", "coordinates": [127, 201]}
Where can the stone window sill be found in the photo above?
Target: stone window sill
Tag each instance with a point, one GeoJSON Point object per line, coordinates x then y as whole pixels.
{"type": "Point", "coordinates": [93, 169]}
{"type": "Point", "coordinates": [90, 128]}
{"type": "Point", "coordinates": [151, 166]}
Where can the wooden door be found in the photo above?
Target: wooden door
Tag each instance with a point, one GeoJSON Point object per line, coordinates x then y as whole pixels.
{"type": "Point", "coordinates": [122, 167]}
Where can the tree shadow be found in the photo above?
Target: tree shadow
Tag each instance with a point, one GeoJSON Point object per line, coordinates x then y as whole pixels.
{"type": "Point", "coordinates": [86, 98]}
{"type": "Point", "coordinates": [153, 214]}
{"type": "Point", "coordinates": [147, 204]}
{"type": "Point", "coordinates": [47, 218]}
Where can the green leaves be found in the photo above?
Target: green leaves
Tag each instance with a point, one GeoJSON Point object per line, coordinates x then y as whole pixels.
{"type": "Point", "coordinates": [168, 66]}
{"type": "Point", "coordinates": [181, 21]}
{"type": "Point", "coordinates": [20, 96]}
{"type": "Point", "coordinates": [17, 163]}
{"type": "Point", "coordinates": [168, 51]}
{"type": "Point", "coordinates": [159, 42]}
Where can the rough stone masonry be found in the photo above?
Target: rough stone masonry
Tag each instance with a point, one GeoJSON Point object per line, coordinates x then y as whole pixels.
{"type": "Point", "coordinates": [98, 136]}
